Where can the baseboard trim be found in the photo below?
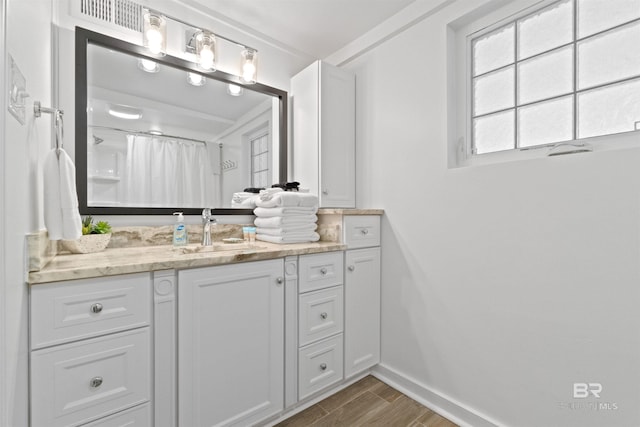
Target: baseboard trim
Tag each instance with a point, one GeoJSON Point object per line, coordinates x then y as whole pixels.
{"type": "Point", "coordinates": [436, 401]}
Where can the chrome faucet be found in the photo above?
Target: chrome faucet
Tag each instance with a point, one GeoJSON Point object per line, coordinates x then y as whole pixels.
{"type": "Point", "coordinates": [207, 221]}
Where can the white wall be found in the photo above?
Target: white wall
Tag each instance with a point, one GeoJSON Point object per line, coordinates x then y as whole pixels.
{"type": "Point", "coordinates": [25, 147]}
{"type": "Point", "coordinates": [503, 284]}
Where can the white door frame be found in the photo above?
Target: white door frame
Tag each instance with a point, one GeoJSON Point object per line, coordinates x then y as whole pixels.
{"type": "Point", "coordinates": [3, 112]}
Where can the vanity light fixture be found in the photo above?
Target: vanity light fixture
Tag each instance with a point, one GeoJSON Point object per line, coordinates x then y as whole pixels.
{"type": "Point", "coordinates": [124, 112]}
{"type": "Point", "coordinates": [203, 43]}
{"type": "Point", "coordinates": [154, 33]}
{"type": "Point", "coordinates": [249, 65]}
{"type": "Point", "coordinates": [148, 65]}
{"type": "Point", "coordinates": [206, 52]}
{"type": "Point", "coordinates": [195, 79]}
{"type": "Point", "coordinates": [234, 90]}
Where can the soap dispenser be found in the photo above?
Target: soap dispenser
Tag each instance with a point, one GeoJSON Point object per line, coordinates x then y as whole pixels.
{"type": "Point", "coordinates": [179, 231]}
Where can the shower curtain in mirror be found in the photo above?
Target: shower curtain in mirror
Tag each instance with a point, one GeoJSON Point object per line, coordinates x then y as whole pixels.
{"type": "Point", "coordinates": [162, 172]}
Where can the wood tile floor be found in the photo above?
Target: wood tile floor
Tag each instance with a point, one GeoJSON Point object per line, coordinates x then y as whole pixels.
{"type": "Point", "coordinates": [368, 402]}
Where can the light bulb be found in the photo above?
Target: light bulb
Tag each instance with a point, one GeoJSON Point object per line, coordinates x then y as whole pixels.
{"type": "Point", "coordinates": [154, 33]}
{"type": "Point", "coordinates": [155, 40]}
{"type": "Point", "coordinates": [148, 65]}
{"type": "Point", "coordinates": [249, 66]}
{"type": "Point", "coordinates": [206, 58]}
{"type": "Point", "coordinates": [248, 71]}
{"type": "Point", "coordinates": [195, 79]}
{"type": "Point", "coordinates": [234, 90]}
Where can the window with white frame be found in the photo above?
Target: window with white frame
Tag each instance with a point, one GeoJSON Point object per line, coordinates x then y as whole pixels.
{"type": "Point", "coordinates": [260, 175]}
{"type": "Point", "coordinates": [567, 71]}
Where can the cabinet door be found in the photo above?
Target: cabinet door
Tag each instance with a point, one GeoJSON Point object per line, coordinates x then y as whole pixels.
{"type": "Point", "coordinates": [230, 343]}
{"type": "Point", "coordinates": [362, 310]}
{"type": "Point", "coordinates": [337, 138]}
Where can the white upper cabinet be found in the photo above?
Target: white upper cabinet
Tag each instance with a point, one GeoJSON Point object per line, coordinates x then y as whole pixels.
{"type": "Point", "coordinates": [323, 115]}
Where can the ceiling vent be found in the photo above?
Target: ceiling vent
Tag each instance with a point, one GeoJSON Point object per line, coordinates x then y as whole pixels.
{"type": "Point", "coordinates": [123, 13]}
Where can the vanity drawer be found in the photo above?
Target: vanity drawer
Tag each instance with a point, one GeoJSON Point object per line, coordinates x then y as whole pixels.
{"type": "Point", "coordinates": [318, 271]}
{"type": "Point", "coordinates": [321, 314]}
{"type": "Point", "coordinates": [81, 382]}
{"type": "Point", "coordinates": [361, 231]}
{"type": "Point", "coordinates": [320, 365]}
{"type": "Point", "coordinates": [140, 416]}
{"type": "Point", "coordinates": [68, 311]}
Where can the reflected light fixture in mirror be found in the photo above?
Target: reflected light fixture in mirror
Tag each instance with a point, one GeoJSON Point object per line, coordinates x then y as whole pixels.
{"type": "Point", "coordinates": [154, 34]}
{"type": "Point", "coordinates": [124, 112]}
{"type": "Point", "coordinates": [195, 79]}
{"type": "Point", "coordinates": [206, 54]}
{"type": "Point", "coordinates": [249, 66]}
{"type": "Point", "coordinates": [148, 65]}
{"type": "Point", "coordinates": [234, 90]}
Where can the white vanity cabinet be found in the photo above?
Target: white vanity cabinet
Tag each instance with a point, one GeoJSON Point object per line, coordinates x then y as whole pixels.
{"type": "Point", "coordinates": [362, 293]}
{"type": "Point", "coordinates": [323, 115]}
{"type": "Point", "coordinates": [231, 343]}
{"type": "Point", "coordinates": [320, 322]}
{"type": "Point", "coordinates": [90, 359]}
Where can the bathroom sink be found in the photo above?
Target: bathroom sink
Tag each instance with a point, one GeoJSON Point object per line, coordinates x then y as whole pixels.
{"type": "Point", "coordinates": [217, 247]}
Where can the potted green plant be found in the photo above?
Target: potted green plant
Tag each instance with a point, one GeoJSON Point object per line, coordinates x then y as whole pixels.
{"type": "Point", "coordinates": [95, 237]}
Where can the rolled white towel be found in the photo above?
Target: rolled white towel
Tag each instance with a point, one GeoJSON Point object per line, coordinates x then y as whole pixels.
{"type": "Point", "coordinates": [268, 193]}
{"type": "Point", "coordinates": [244, 200]}
{"type": "Point", "coordinates": [287, 199]}
{"type": "Point", "coordinates": [286, 211]}
{"type": "Point", "coordinates": [281, 221]}
{"type": "Point", "coordinates": [287, 231]}
{"type": "Point", "coordinates": [306, 237]}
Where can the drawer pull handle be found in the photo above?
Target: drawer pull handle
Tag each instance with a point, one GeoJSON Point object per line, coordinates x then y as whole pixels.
{"type": "Point", "coordinates": [351, 268]}
{"type": "Point", "coordinates": [279, 280]}
{"type": "Point", "coordinates": [323, 271]}
{"type": "Point", "coordinates": [364, 231]}
{"type": "Point", "coordinates": [323, 367]}
{"type": "Point", "coordinates": [95, 382]}
{"type": "Point", "coordinates": [323, 315]}
{"type": "Point", "coordinates": [96, 308]}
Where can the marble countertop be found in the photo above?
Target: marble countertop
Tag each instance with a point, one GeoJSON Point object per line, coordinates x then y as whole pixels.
{"type": "Point", "coordinates": [116, 261]}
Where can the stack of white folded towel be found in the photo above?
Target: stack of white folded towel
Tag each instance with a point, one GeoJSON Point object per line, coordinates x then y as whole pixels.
{"type": "Point", "coordinates": [286, 216]}
{"type": "Point", "coordinates": [244, 200]}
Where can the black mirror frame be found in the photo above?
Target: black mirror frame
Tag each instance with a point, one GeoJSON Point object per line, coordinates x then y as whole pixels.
{"type": "Point", "coordinates": [85, 37]}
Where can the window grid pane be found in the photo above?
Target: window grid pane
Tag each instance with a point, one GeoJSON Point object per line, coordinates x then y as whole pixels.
{"type": "Point", "coordinates": [542, 96]}
{"type": "Point", "coordinates": [260, 160]}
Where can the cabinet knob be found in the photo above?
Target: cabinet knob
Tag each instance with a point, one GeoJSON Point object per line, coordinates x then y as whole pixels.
{"type": "Point", "coordinates": [279, 280]}
{"type": "Point", "coordinates": [323, 271]}
{"type": "Point", "coordinates": [364, 231]}
{"type": "Point", "coordinates": [96, 308]}
{"type": "Point", "coordinates": [95, 382]}
{"type": "Point", "coordinates": [351, 267]}
{"type": "Point", "coordinates": [323, 366]}
{"type": "Point", "coordinates": [323, 316]}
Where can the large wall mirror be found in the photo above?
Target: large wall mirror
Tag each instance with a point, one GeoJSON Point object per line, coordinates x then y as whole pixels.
{"type": "Point", "coordinates": [156, 135]}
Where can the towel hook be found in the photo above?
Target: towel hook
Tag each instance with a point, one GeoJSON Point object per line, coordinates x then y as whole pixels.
{"type": "Point", "coordinates": [38, 109]}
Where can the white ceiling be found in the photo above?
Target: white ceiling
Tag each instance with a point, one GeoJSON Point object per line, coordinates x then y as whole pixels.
{"type": "Point", "coordinates": [315, 27]}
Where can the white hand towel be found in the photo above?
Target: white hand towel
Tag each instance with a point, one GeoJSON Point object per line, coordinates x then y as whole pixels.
{"type": "Point", "coordinates": [287, 199]}
{"type": "Point", "coordinates": [51, 189]}
{"type": "Point", "coordinates": [271, 212]}
{"type": "Point", "coordinates": [307, 237]}
{"type": "Point", "coordinates": [281, 221]}
{"type": "Point", "coordinates": [61, 217]}
{"type": "Point", "coordinates": [287, 231]}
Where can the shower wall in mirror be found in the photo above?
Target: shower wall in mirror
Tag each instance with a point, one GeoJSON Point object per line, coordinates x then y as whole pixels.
{"type": "Point", "coordinates": [161, 135]}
